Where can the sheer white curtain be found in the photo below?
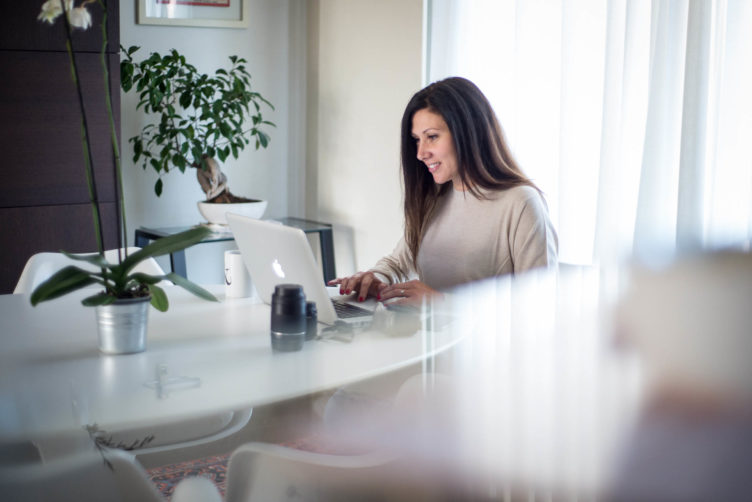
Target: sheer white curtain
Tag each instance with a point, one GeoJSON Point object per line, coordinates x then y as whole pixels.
{"type": "Point", "coordinates": [633, 116]}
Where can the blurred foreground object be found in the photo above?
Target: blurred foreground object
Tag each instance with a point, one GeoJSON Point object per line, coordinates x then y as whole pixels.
{"type": "Point", "coordinates": [691, 324]}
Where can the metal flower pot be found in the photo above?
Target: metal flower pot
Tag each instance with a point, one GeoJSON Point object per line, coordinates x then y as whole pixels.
{"type": "Point", "coordinates": [122, 325]}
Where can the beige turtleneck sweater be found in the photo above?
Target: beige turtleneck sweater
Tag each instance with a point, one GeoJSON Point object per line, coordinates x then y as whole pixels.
{"type": "Point", "coordinates": [470, 239]}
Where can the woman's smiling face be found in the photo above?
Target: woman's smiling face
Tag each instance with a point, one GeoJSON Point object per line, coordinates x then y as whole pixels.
{"type": "Point", "coordinates": [435, 147]}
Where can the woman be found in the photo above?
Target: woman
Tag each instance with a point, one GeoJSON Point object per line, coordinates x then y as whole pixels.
{"type": "Point", "coordinates": [470, 212]}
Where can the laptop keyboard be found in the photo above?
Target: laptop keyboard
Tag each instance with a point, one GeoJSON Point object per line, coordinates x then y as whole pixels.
{"type": "Point", "coordinates": [345, 310]}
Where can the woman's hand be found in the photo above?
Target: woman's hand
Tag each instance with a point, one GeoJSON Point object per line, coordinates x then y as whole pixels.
{"type": "Point", "coordinates": [408, 293]}
{"type": "Point", "coordinates": [362, 283]}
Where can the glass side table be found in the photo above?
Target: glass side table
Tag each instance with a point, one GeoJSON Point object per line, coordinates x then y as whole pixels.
{"type": "Point", "coordinates": [177, 259]}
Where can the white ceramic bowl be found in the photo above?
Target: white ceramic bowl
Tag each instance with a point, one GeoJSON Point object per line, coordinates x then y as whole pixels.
{"type": "Point", "coordinates": [215, 213]}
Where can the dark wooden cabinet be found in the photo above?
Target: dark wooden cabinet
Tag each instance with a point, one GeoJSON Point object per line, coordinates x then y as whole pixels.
{"type": "Point", "coordinates": [22, 31]}
{"type": "Point", "coordinates": [44, 199]}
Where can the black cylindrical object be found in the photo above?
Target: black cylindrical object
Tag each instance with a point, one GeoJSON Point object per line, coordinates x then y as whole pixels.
{"type": "Point", "coordinates": [288, 317]}
{"type": "Point", "coordinates": [311, 320]}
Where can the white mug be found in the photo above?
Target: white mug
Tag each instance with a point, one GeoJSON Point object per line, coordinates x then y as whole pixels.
{"type": "Point", "coordinates": [237, 278]}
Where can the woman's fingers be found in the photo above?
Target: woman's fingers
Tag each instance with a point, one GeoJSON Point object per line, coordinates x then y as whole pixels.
{"type": "Point", "coordinates": [398, 290]}
{"type": "Point", "coordinates": [365, 286]}
{"type": "Point", "coordinates": [360, 283]}
{"type": "Point", "coordinates": [406, 293]}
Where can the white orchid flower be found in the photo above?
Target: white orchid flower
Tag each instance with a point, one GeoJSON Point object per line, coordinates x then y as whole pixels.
{"type": "Point", "coordinates": [79, 17]}
{"type": "Point", "coordinates": [51, 9]}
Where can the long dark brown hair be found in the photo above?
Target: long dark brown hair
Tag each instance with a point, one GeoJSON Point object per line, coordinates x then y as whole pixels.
{"type": "Point", "coordinates": [483, 157]}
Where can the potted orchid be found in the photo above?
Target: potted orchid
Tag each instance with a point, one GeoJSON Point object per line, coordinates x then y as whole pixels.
{"type": "Point", "coordinates": [126, 293]}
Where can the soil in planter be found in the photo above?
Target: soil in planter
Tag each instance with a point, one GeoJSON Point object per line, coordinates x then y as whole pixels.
{"type": "Point", "coordinates": [227, 198]}
{"type": "Point", "coordinates": [141, 291]}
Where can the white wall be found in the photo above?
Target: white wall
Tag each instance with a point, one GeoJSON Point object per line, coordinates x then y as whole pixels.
{"type": "Point", "coordinates": [273, 63]}
{"type": "Point", "coordinates": [339, 73]}
{"type": "Point", "coordinates": [364, 65]}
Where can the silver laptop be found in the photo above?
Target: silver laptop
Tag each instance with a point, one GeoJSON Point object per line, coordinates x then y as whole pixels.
{"type": "Point", "coordinates": [278, 254]}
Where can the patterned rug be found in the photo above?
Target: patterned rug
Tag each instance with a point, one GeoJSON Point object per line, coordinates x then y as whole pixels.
{"type": "Point", "coordinates": [168, 476]}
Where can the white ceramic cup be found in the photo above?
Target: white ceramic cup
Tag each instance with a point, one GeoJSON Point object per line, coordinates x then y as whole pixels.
{"type": "Point", "coordinates": [237, 279]}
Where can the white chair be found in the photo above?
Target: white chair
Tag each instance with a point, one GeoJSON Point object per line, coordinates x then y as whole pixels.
{"type": "Point", "coordinates": [185, 433]}
{"type": "Point", "coordinates": [80, 477]}
{"type": "Point", "coordinates": [260, 472]}
{"type": "Point", "coordinates": [41, 266]}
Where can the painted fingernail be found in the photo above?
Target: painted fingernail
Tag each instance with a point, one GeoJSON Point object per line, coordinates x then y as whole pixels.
{"type": "Point", "coordinates": [348, 291]}
{"type": "Point", "coordinates": [378, 297]}
{"type": "Point", "coordinates": [341, 291]}
{"type": "Point", "coordinates": [360, 298]}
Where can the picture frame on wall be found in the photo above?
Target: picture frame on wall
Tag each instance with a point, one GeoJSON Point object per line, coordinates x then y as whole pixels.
{"type": "Point", "coordinates": [206, 13]}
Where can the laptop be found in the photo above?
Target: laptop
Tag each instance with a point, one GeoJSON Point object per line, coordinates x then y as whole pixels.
{"type": "Point", "coordinates": [278, 254]}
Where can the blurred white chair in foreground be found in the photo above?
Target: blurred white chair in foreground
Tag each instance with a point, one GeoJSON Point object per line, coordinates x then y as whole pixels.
{"type": "Point", "coordinates": [690, 324]}
{"type": "Point", "coordinates": [260, 472]}
{"type": "Point", "coordinates": [80, 477]}
{"type": "Point", "coordinates": [41, 266]}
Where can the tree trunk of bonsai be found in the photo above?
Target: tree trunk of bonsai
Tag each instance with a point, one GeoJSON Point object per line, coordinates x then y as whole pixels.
{"type": "Point", "coordinates": [214, 184]}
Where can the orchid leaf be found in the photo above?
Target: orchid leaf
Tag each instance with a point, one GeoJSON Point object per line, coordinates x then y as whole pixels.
{"type": "Point", "coordinates": [142, 278]}
{"type": "Point", "coordinates": [98, 300]}
{"type": "Point", "coordinates": [61, 283]}
{"type": "Point", "coordinates": [167, 245]}
{"type": "Point", "coordinates": [197, 290]}
{"type": "Point", "coordinates": [158, 298]}
{"type": "Point", "coordinates": [93, 258]}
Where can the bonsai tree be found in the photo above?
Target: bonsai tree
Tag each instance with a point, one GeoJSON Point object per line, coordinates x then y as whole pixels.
{"type": "Point", "coordinates": [198, 118]}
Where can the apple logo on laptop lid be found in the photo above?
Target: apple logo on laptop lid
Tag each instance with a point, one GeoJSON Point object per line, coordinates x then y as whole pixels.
{"type": "Point", "coordinates": [277, 267]}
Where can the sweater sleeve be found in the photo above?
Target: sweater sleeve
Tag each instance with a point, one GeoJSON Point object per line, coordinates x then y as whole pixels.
{"type": "Point", "coordinates": [533, 242]}
{"type": "Point", "coordinates": [397, 266]}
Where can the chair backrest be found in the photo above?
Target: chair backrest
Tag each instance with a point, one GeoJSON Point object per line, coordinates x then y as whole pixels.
{"type": "Point", "coordinates": [189, 431]}
{"type": "Point", "coordinates": [259, 471]}
{"type": "Point", "coordinates": [42, 265]}
{"type": "Point", "coordinates": [80, 477]}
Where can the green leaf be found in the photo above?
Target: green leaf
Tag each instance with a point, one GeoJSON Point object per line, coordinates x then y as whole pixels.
{"type": "Point", "coordinates": [263, 139]}
{"type": "Point", "coordinates": [167, 245]}
{"type": "Point", "coordinates": [225, 129]}
{"type": "Point", "coordinates": [222, 154]}
{"type": "Point", "coordinates": [126, 75]}
{"type": "Point", "coordinates": [155, 164]}
{"type": "Point", "coordinates": [197, 290]}
{"type": "Point", "coordinates": [158, 187]}
{"type": "Point", "coordinates": [93, 258]}
{"type": "Point", "coordinates": [98, 299]}
{"type": "Point", "coordinates": [138, 148]}
{"type": "Point", "coordinates": [62, 282]}
{"type": "Point", "coordinates": [265, 101]}
{"type": "Point", "coordinates": [158, 298]}
{"type": "Point", "coordinates": [185, 99]}
{"type": "Point", "coordinates": [179, 161]}
{"type": "Point", "coordinates": [142, 278]}
{"type": "Point", "coordinates": [155, 97]}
